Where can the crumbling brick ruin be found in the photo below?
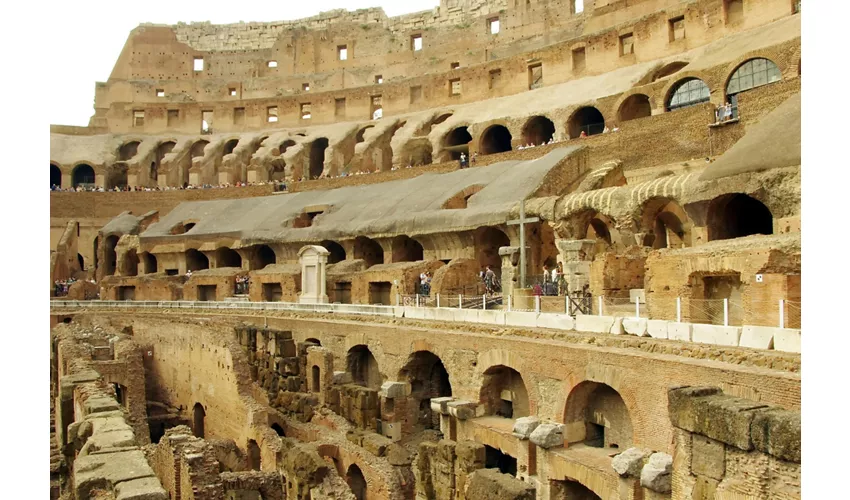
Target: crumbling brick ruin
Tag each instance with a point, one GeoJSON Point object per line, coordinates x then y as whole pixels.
{"type": "Point", "coordinates": [240, 235]}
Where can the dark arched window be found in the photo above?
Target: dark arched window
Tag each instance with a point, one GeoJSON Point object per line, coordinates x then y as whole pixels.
{"type": "Point", "coordinates": [753, 73]}
{"type": "Point", "coordinates": [55, 176]}
{"type": "Point", "coordinates": [82, 174]}
{"type": "Point", "coordinates": [688, 93]}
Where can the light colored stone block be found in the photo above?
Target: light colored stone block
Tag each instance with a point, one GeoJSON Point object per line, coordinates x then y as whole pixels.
{"type": "Point", "coordinates": [680, 331]}
{"type": "Point", "coordinates": [637, 293]}
{"type": "Point", "coordinates": [757, 337]}
{"type": "Point", "coordinates": [340, 378]}
{"type": "Point", "coordinates": [523, 319]}
{"type": "Point", "coordinates": [491, 317]}
{"type": "Point", "coordinates": [657, 328]}
{"type": "Point", "coordinates": [429, 313]}
{"type": "Point", "coordinates": [413, 312]}
{"type": "Point", "coordinates": [462, 410]}
{"type": "Point", "coordinates": [548, 435]}
{"type": "Point", "coordinates": [657, 473]}
{"type": "Point", "coordinates": [394, 389]}
{"type": "Point", "coordinates": [635, 326]}
{"type": "Point", "coordinates": [617, 327]}
{"type": "Point", "coordinates": [630, 462]}
{"type": "Point", "coordinates": [595, 324]}
{"type": "Point", "coordinates": [444, 314]}
{"type": "Point", "coordinates": [717, 335]}
{"type": "Point", "coordinates": [467, 315]}
{"type": "Point", "coordinates": [556, 321]}
{"type": "Point", "coordinates": [787, 339]}
{"type": "Point", "coordinates": [524, 426]}
{"type": "Point", "coordinates": [440, 405]}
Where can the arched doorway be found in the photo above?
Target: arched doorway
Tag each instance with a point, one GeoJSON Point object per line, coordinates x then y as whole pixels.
{"type": "Point", "coordinates": [406, 249]}
{"type": "Point", "coordinates": [278, 430]}
{"type": "Point", "coordinates": [664, 220]}
{"type": "Point", "coordinates": [55, 176]}
{"type": "Point", "coordinates": [496, 139]}
{"type": "Point", "coordinates": [162, 150]}
{"type": "Point", "coordinates": [81, 262]}
{"type": "Point", "coordinates": [428, 379]}
{"type": "Point", "coordinates": [503, 393]}
{"type": "Point", "coordinates": [488, 240]}
{"type": "Point", "coordinates": [587, 120]}
{"type": "Point", "coordinates": [538, 130]}
{"type": "Point", "coordinates": [229, 146]}
{"type": "Point", "coordinates": [128, 151]}
{"type": "Point", "coordinates": [110, 257]}
{"type": "Point", "coordinates": [316, 379]}
{"type": "Point", "coordinates": [361, 133]}
{"type": "Point", "coordinates": [83, 175]}
{"type": "Point", "coordinates": [317, 157]}
{"type": "Point", "coordinates": [196, 261]}
{"type": "Point", "coordinates": [603, 413]}
{"type": "Point", "coordinates": [363, 366]}
{"type": "Point", "coordinates": [254, 455]}
{"type": "Point", "coordinates": [337, 252]}
{"type": "Point", "coordinates": [197, 150]}
{"type": "Point", "coordinates": [227, 257]}
{"type": "Point", "coordinates": [198, 416]}
{"type": "Point", "coordinates": [368, 250]}
{"type": "Point", "coordinates": [356, 481]}
{"type": "Point", "coordinates": [457, 142]}
{"type": "Point", "coordinates": [264, 256]}
{"type": "Point", "coordinates": [737, 215]}
{"type": "Point", "coordinates": [149, 263]}
{"type": "Point", "coordinates": [130, 265]}
{"type": "Point", "coordinates": [635, 106]}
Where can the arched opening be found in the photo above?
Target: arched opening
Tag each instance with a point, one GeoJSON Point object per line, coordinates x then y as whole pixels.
{"type": "Point", "coordinates": [278, 430]}
{"type": "Point", "coordinates": [181, 228]}
{"type": "Point", "coordinates": [356, 481]}
{"type": "Point", "coordinates": [254, 455]}
{"type": "Point", "coordinates": [496, 139]}
{"type": "Point", "coordinates": [503, 393]}
{"type": "Point", "coordinates": [495, 458]}
{"type": "Point", "coordinates": [368, 250]}
{"type": "Point", "coordinates": [94, 250]}
{"type": "Point", "coordinates": [311, 340]}
{"type": "Point", "coordinates": [428, 379]}
{"type": "Point", "coordinates": [668, 69]}
{"type": "Point", "coordinates": [572, 490]}
{"type": "Point", "coordinates": [110, 257]}
{"type": "Point", "coordinates": [317, 157]}
{"type": "Point", "coordinates": [749, 75]}
{"type": "Point", "coordinates": [688, 92]}
{"type": "Point", "coordinates": [229, 146]}
{"type": "Point", "coordinates": [81, 262]}
{"type": "Point", "coordinates": [635, 106]}
{"type": "Point", "coordinates": [130, 265]}
{"type": "Point", "coordinates": [588, 121]}
{"type": "Point", "coordinates": [149, 263]}
{"type": "Point", "coordinates": [83, 175]}
{"type": "Point", "coordinates": [198, 415]}
{"type": "Point", "coordinates": [538, 130]}
{"type": "Point", "coordinates": [359, 138]}
{"type": "Point", "coordinates": [337, 253]}
{"type": "Point", "coordinates": [196, 261]}
{"type": "Point", "coordinates": [198, 148]}
{"type": "Point", "coordinates": [457, 142]}
{"type": "Point", "coordinates": [162, 150]}
{"type": "Point", "coordinates": [737, 215]}
{"type": "Point", "coordinates": [227, 257]}
{"type": "Point", "coordinates": [264, 256]}
{"type": "Point", "coordinates": [363, 366]}
{"type": "Point", "coordinates": [55, 176]}
{"type": "Point", "coordinates": [488, 240]}
{"type": "Point", "coordinates": [663, 221]}
{"type": "Point", "coordinates": [406, 249]}
{"type": "Point", "coordinates": [285, 145]}
{"type": "Point", "coordinates": [316, 378]}
{"type": "Point", "coordinates": [597, 416]}
{"type": "Point", "coordinates": [128, 151]}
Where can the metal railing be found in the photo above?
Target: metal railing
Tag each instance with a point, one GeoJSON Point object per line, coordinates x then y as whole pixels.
{"type": "Point", "coordinates": [378, 310]}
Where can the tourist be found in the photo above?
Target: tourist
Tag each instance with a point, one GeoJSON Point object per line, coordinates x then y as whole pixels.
{"type": "Point", "coordinates": [462, 160]}
{"type": "Point", "coordinates": [728, 111]}
{"type": "Point", "coordinates": [583, 134]}
{"type": "Point", "coordinates": [606, 130]}
{"type": "Point", "coordinates": [474, 157]}
{"type": "Point", "coordinates": [489, 281]}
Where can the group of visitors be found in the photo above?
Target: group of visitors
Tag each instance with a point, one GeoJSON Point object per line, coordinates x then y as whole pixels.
{"type": "Point", "coordinates": [553, 282]}
{"type": "Point", "coordinates": [279, 186]}
{"type": "Point", "coordinates": [488, 278]}
{"type": "Point", "coordinates": [532, 145]}
{"type": "Point", "coordinates": [60, 287]}
{"type": "Point", "coordinates": [243, 283]}
{"type": "Point", "coordinates": [723, 113]}
{"type": "Point", "coordinates": [425, 283]}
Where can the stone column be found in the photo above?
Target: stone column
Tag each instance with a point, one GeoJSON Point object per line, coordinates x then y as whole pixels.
{"type": "Point", "coordinates": [314, 260]}
{"type": "Point", "coordinates": [510, 269]}
{"type": "Point", "coordinates": [576, 256]}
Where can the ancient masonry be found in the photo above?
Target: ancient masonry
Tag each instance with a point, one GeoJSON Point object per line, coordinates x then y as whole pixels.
{"type": "Point", "coordinates": [239, 240]}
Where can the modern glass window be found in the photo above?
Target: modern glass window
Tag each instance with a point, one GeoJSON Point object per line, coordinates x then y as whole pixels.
{"type": "Point", "coordinates": [753, 73]}
{"type": "Point", "coordinates": [688, 93]}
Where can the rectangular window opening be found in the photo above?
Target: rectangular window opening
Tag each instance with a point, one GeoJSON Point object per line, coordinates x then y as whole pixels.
{"type": "Point", "coordinates": [377, 111]}
{"type": "Point", "coordinates": [305, 87]}
{"type": "Point", "coordinates": [271, 114]}
{"type": "Point", "coordinates": [677, 28]}
{"type": "Point", "coordinates": [416, 42]}
{"type": "Point", "coordinates": [206, 122]}
{"type": "Point", "coordinates": [272, 64]}
{"type": "Point", "coordinates": [231, 91]}
{"type": "Point", "coordinates": [342, 52]}
{"type": "Point", "coordinates": [305, 111]}
{"type": "Point", "coordinates": [454, 87]}
{"type": "Point", "coordinates": [199, 64]}
{"type": "Point", "coordinates": [173, 115]}
{"type": "Point", "coordinates": [138, 118]}
{"type": "Point", "coordinates": [578, 6]}
{"type": "Point", "coordinates": [627, 44]}
{"type": "Point", "coordinates": [238, 116]}
{"type": "Point", "coordinates": [579, 59]}
{"type": "Point", "coordinates": [415, 94]}
{"type": "Point", "coordinates": [494, 25]}
{"type": "Point", "coordinates": [160, 93]}
{"type": "Point", "coordinates": [535, 76]}
{"type": "Point", "coordinates": [379, 79]}
{"type": "Point", "coordinates": [734, 11]}
{"type": "Point", "coordinates": [339, 108]}
{"type": "Point", "coordinates": [455, 65]}
{"type": "Point", "coordinates": [495, 78]}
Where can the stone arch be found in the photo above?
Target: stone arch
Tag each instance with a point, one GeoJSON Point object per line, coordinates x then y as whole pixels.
{"type": "Point", "coordinates": [130, 263]}
{"type": "Point", "coordinates": [572, 489]}
{"type": "Point", "coordinates": [255, 459]}
{"type": "Point", "coordinates": [263, 256]}
{"type": "Point", "coordinates": [197, 149]}
{"type": "Point", "coordinates": [198, 417]}
{"type": "Point", "coordinates": [428, 378]}
{"type": "Point", "coordinates": [196, 261]}
{"type": "Point", "coordinates": [368, 250]}
{"type": "Point", "coordinates": [128, 150]}
{"type": "Point", "coordinates": [163, 149]}
{"type": "Point", "coordinates": [363, 366]}
{"type": "Point", "coordinates": [337, 252]}
{"type": "Point", "coordinates": [81, 262]}
{"type": "Point", "coordinates": [148, 261]}
{"type": "Point", "coordinates": [315, 379]}
{"type": "Point", "coordinates": [312, 340]}
{"type": "Point", "coordinates": [455, 142]}
{"type": "Point", "coordinates": [633, 107]}
{"type": "Point", "coordinates": [597, 415]}
{"type": "Point", "coordinates": [585, 119]}
{"type": "Point", "coordinates": [55, 175]}
{"type": "Point", "coordinates": [356, 481]}
{"type": "Point", "coordinates": [317, 157]}
{"type": "Point", "coordinates": [417, 152]}
{"type": "Point", "coordinates": [689, 91]}
{"type": "Point", "coordinates": [538, 130]}
{"type": "Point", "coordinates": [227, 257]}
{"type": "Point", "coordinates": [229, 146]}
{"type": "Point", "coordinates": [286, 144]}
{"type": "Point", "coordinates": [665, 224]}
{"type": "Point", "coordinates": [495, 139]}
{"type": "Point", "coordinates": [500, 382]}
{"type": "Point", "coordinates": [82, 174]}
{"type": "Point", "coordinates": [668, 69]}
{"type": "Point", "coordinates": [461, 199]}
{"type": "Point", "coordinates": [736, 215]}
{"type": "Point", "coordinates": [406, 249]}
{"type": "Point", "coordinates": [278, 430]}
{"type": "Point", "coordinates": [488, 240]}
{"type": "Point", "coordinates": [110, 256]}
{"type": "Point", "coordinates": [361, 133]}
